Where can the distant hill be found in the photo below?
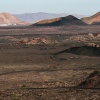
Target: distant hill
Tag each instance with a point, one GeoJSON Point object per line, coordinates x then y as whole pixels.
{"type": "Point", "coordinates": [35, 17]}
{"type": "Point", "coordinates": [68, 20]}
{"type": "Point", "coordinates": [95, 19]}
{"type": "Point", "coordinates": [7, 19]}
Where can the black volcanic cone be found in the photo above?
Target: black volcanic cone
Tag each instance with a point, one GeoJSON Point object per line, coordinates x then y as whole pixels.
{"type": "Point", "coordinates": [68, 20]}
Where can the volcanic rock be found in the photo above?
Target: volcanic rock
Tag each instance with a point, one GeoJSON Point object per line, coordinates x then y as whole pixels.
{"type": "Point", "coordinates": [93, 81]}
{"type": "Point", "coordinates": [91, 35]}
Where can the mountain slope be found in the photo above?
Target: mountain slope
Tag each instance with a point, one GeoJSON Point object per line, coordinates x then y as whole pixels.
{"type": "Point", "coordinates": [7, 19]}
{"type": "Point", "coordinates": [68, 20]}
{"type": "Point", "coordinates": [35, 17]}
{"type": "Point", "coordinates": [92, 19]}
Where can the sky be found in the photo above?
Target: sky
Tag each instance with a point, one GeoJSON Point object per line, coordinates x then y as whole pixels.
{"type": "Point", "coordinates": [82, 7]}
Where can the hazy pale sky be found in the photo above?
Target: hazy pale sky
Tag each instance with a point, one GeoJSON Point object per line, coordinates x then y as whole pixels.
{"type": "Point", "coordinates": [84, 7]}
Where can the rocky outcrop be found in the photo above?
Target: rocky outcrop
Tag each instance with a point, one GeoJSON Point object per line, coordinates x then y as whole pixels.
{"type": "Point", "coordinates": [92, 81]}
{"type": "Point", "coordinates": [36, 41]}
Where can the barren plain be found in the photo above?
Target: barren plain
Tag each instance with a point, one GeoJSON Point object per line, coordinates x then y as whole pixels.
{"type": "Point", "coordinates": [50, 63]}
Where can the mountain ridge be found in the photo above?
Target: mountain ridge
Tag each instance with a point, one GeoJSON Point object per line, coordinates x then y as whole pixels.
{"type": "Point", "coordinates": [35, 17]}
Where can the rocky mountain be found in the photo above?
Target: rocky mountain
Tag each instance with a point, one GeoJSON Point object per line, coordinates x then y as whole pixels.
{"type": "Point", "coordinates": [61, 21]}
{"type": "Point", "coordinates": [35, 17]}
{"type": "Point", "coordinates": [7, 19]}
{"type": "Point", "coordinates": [95, 19]}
